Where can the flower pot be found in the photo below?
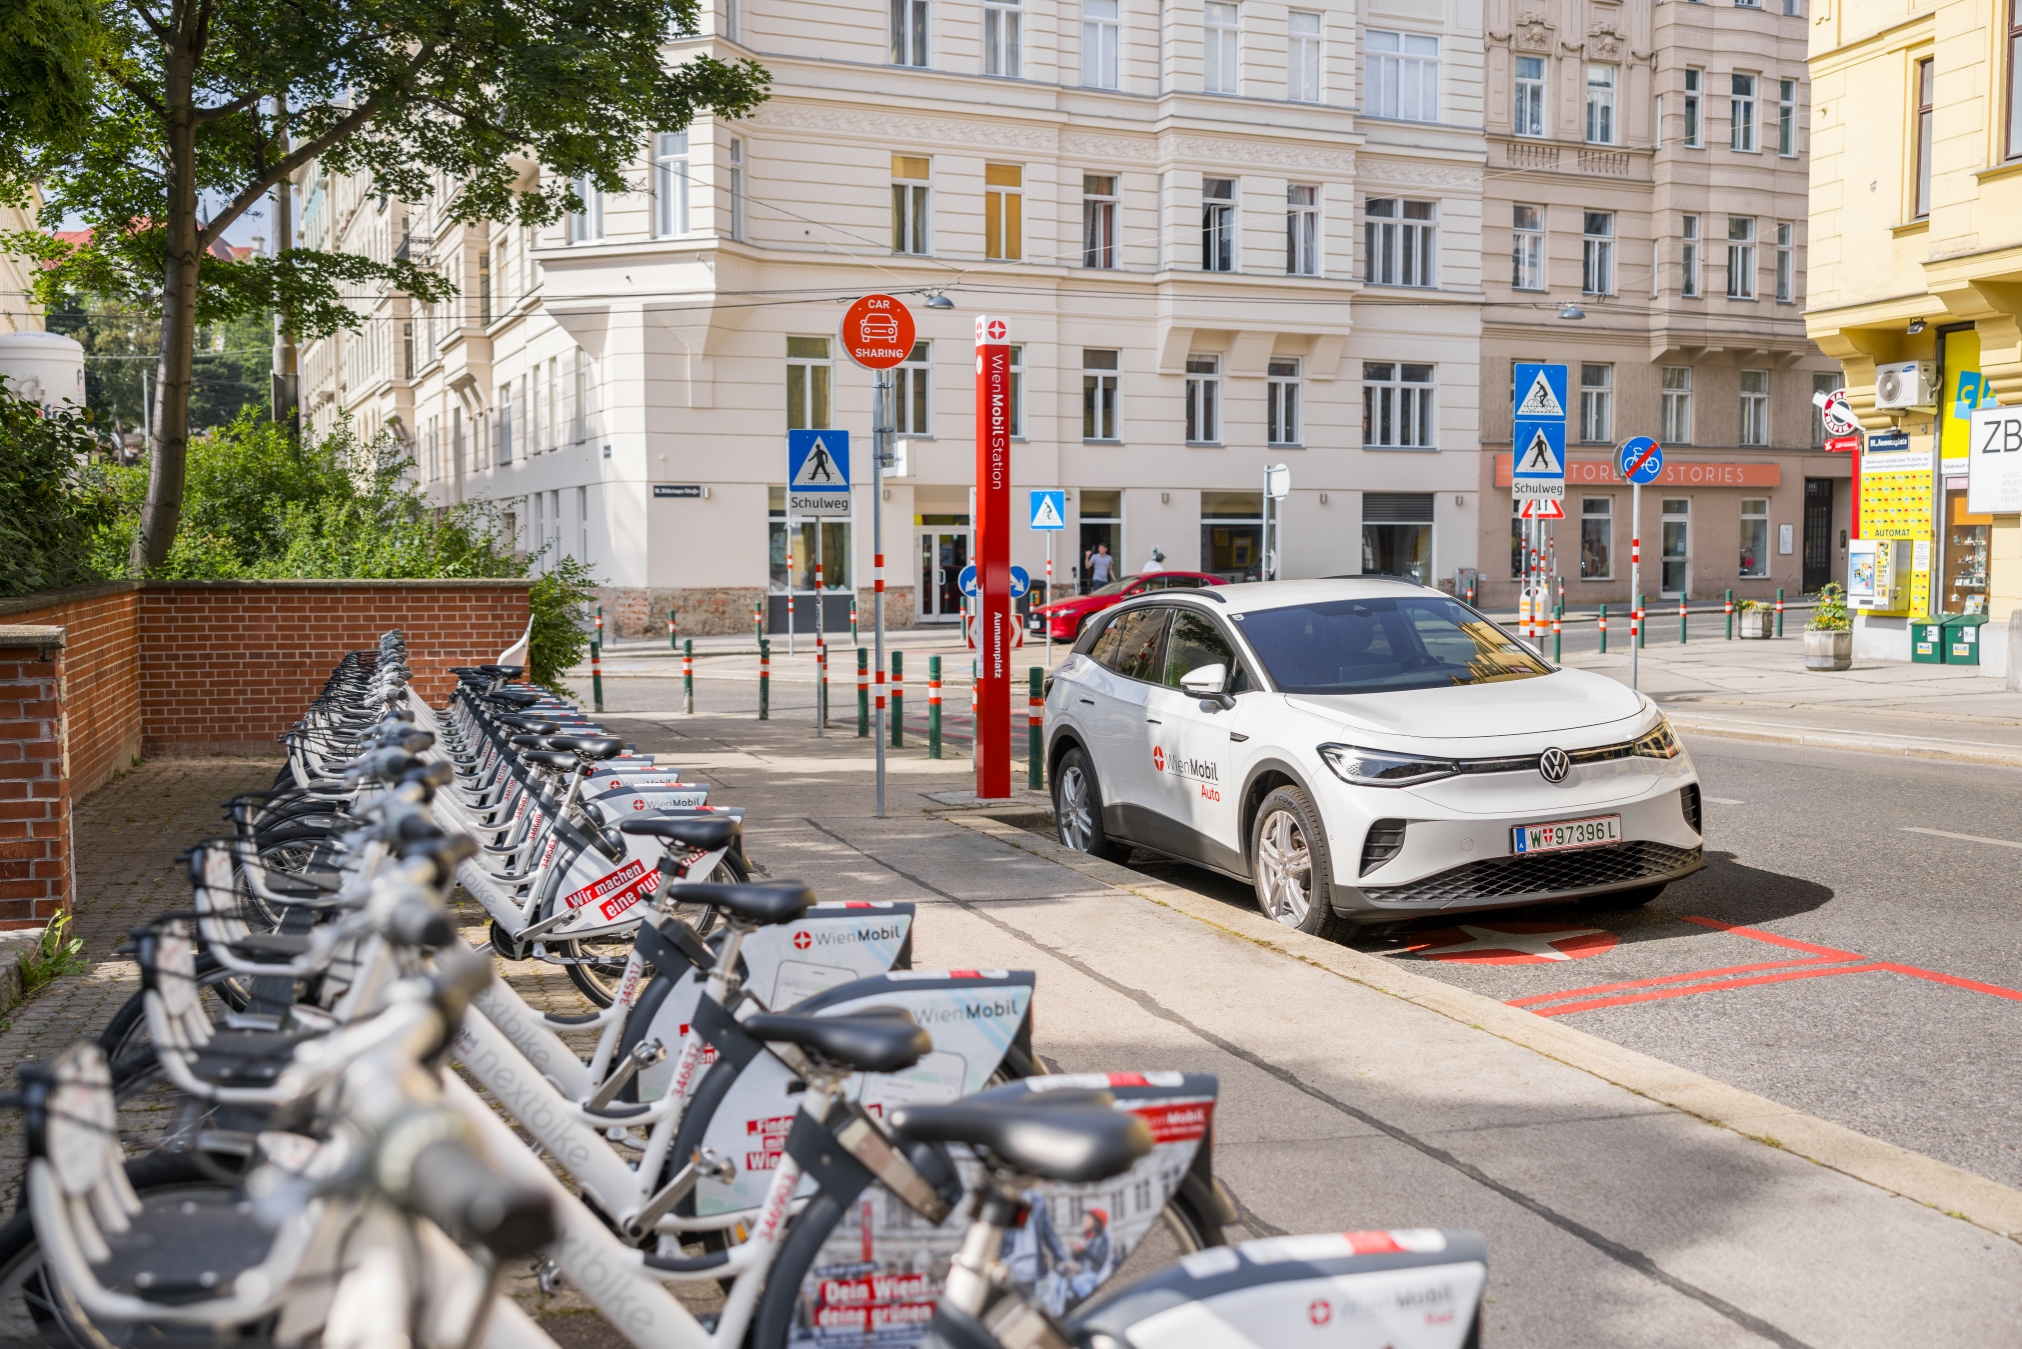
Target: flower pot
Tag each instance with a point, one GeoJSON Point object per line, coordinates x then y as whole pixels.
{"type": "Point", "coordinates": [1828, 650]}
{"type": "Point", "coordinates": [1757, 622]}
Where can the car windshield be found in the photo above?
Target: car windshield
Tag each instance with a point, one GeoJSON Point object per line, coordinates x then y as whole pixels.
{"type": "Point", "coordinates": [1384, 645]}
{"type": "Point", "coordinates": [1114, 587]}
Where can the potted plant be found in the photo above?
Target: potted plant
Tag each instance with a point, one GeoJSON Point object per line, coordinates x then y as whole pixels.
{"type": "Point", "coordinates": [1828, 638]}
{"type": "Point", "coordinates": [1757, 619]}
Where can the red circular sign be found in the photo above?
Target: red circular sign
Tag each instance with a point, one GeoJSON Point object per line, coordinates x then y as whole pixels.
{"type": "Point", "coordinates": [877, 332]}
{"type": "Point", "coordinates": [1511, 943]}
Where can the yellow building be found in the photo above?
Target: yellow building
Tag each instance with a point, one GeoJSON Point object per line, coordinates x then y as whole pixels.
{"type": "Point", "coordinates": [1916, 263]}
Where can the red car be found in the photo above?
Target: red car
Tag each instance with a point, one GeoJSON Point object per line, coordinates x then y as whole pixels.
{"type": "Point", "coordinates": [1066, 616]}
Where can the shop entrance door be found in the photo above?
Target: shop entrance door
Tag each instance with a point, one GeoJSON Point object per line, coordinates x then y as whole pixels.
{"type": "Point", "coordinates": [1677, 547]}
{"type": "Point", "coordinates": [943, 553]}
{"type": "Point", "coordinates": [1817, 533]}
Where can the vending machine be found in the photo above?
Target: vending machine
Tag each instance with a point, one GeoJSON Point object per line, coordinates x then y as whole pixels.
{"type": "Point", "coordinates": [1878, 575]}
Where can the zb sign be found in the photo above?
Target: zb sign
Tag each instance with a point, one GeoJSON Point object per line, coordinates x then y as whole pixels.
{"type": "Point", "coordinates": [1994, 472]}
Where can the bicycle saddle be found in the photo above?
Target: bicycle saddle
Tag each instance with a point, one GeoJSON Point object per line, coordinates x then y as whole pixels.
{"type": "Point", "coordinates": [590, 746]}
{"type": "Point", "coordinates": [761, 903]}
{"type": "Point", "coordinates": [514, 697]}
{"type": "Point", "coordinates": [503, 671]}
{"type": "Point", "coordinates": [875, 1042]}
{"type": "Point", "coordinates": [550, 758]}
{"type": "Point", "coordinates": [531, 725]}
{"type": "Point", "coordinates": [707, 832]}
{"type": "Point", "coordinates": [531, 741]}
{"type": "Point", "coordinates": [1073, 1141]}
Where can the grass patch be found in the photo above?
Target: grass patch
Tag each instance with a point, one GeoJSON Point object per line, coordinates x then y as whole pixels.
{"type": "Point", "coordinates": [55, 955]}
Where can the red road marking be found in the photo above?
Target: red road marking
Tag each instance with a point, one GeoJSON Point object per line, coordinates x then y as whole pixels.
{"type": "Point", "coordinates": [1951, 980]}
{"type": "Point", "coordinates": [1661, 979]}
{"type": "Point", "coordinates": [1759, 935]}
{"type": "Point", "coordinates": [1721, 986]}
{"type": "Point", "coordinates": [1914, 971]}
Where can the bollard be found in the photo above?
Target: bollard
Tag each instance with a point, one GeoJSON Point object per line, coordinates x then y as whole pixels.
{"type": "Point", "coordinates": [1635, 625]}
{"type": "Point", "coordinates": [1035, 736]}
{"type": "Point", "coordinates": [673, 629]}
{"type": "Point", "coordinates": [1640, 624]}
{"type": "Point", "coordinates": [1558, 633]}
{"type": "Point", "coordinates": [597, 662]}
{"type": "Point", "coordinates": [764, 680]}
{"type": "Point", "coordinates": [1681, 620]}
{"type": "Point", "coordinates": [863, 691]}
{"type": "Point", "coordinates": [853, 619]}
{"type": "Point", "coordinates": [1779, 611]}
{"type": "Point", "coordinates": [688, 676]}
{"type": "Point", "coordinates": [820, 685]}
{"type": "Point", "coordinates": [1730, 615]}
{"type": "Point", "coordinates": [1602, 626]}
{"type": "Point", "coordinates": [933, 707]}
{"type": "Point", "coordinates": [898, 699]}
{"type": "Point", "coordinates": [757, 623]}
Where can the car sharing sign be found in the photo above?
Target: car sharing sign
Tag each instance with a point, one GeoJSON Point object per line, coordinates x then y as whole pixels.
{"type": "Point", "coordinates": [877, 332]}
{"type": "Point", "coordinates": [818, 473]}
{"type": "Point", "coordinates": [1538, 433]}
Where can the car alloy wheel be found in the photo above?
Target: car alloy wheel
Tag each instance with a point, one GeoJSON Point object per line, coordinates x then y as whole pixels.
{"type": "Point", "coordinates": [1077, 817]}
{"type": "Point", "coordinates": [1285, 869]}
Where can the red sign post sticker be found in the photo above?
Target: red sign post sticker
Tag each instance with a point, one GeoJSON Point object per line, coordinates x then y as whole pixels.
{"type": "Point", "coordinates": [877, 332]}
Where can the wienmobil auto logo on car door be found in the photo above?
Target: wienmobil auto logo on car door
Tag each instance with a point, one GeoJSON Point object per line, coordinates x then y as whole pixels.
{"type": "Point", "coordinates": [1185, 765]}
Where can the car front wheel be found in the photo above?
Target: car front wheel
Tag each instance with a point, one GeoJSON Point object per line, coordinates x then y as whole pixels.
{"type": "Point", "coordinates": [1290, 865]}
{"type": "Point", "coordinates": [1077, 808]}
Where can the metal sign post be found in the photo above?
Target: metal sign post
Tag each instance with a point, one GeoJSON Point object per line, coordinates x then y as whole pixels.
{"type": "Point", "coordinates": [1277, 486]}
{"type": "Point", "coordinates": [1537, 466]}
{"type": "Point", "coordinates": [1049, 517]}
{"type": "Point", "coordinates": [1640, 460]}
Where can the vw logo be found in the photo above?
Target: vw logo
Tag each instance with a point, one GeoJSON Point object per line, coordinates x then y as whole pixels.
{"type": "Point", "coordinates": [1554, 764]}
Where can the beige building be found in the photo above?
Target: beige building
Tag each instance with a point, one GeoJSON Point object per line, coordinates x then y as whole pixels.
{"type": "Point", "coordinates": [18, 314]}
{"type": "Point", "coordinates": [1644, 223]}
{"type": "Point", "coordinates": [1224, 236]}
{"type": "Point", "coordinates": [1917, 259]}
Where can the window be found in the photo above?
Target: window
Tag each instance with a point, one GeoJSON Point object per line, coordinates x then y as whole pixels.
{"type": "Point", "coordinates": [1754, 407]}
{"type": "Point", "coordinates": [1597, 254]}
{"type": "Point", "coordinates": [1740, 258]}
{"type": "Point", "coordinates": [1530, 96]}
{"type": "Point", "coordinates": [1748, 4]}
{"type": "Point", "coordinates": [1017, 393]}
{"type": "Point", "coordinates": [1396, 541]}
{"type": "Point", "coordinates": [1098, 395]}
{"type": "Point", "coordinates": [587, 225]}
{"type": "Point", "coordinates": [1821, 383]}
{"type": "Point", "coordinates": [2014, 146]}
{"type": "Point", "coordinates": [1404, 76]}
{"type": "Point", "coordinates": [549, 428]}
{"type": "Point", "coordinates": [1232, 535]}
{"type": "Point", "coordinates": [1398, 241]}
{"type": "Point", "coordinates": [1302, 56]}
{"type": "Point", "coordinates": [1597, 538]}
{"type": "Point", "coordinates": [670, 183]}
{"type": "Point", "coordinates": [1527, 248]}
{"type": "Point", "coordinates": [736, 187]}
{"type": "Point", "coordinates": [1600, 105]}
{"type": "Point", "coordinates": [484, 288]}
{"type": "Point", "coordinates": [1926, 87]}
{"type": "Point", "coordinates": [1790, 9]}
{"type": "Point", "coordinates": [1675, 546]}
{"type": "Point", "coordinates": [1099, 34]}
{"type": "Point", "coordinates": [1204, 397]}
{"type": "Point", "coordinates": [1597, 403]}
{"type": "Point", "coordinates": [1218, 224]}
{"type": "Point", "coordinates": [1396, 406]}
{"type": "Point", "coordinates": [1688, 261]}
{"type": "Point", "coordinates": [1786, 252]}
{"type": "Point", "coordinates": [1694, 133]}
{"type": "Point", "coordinates": [1786, 118]}
{"type": "Point", "coordinates": [909, 32]}
{"type": "Point", "coordinates": [913, 393]}
{"type": "Point", "coordinates": [909, 203]}
{"type": "Point", "coordinates": [1281, 395]}
{"type": "Point", "coordinates": [1660, 122]}
{"type": "Point", "coordinates": [1002, 21]}
{"type": "Point", "coordinates": [1220, 60]}
{"type": "Point", "coordinates": [1754, 536]}
{"type": "Point", "coordinates": [1302, 230]}
{"type": "Point", "coordinates": [1677, 427]}
{"type": "Point", "coordinates": [1003, 211]}
{"type": "Point", "coordinates": [502, 426]}
{"type": "Point", "coordinates": [1098, 220]}
{"type": "Point", "coordinates": [807, 383]}
{"type": "Point", "coordinates": [1741, 112]}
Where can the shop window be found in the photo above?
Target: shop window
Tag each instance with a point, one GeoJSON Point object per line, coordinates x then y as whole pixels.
{"type": "Point", "coordinates": [826, 540]}
{"type": "Point", "coordinates": [1397, 535]}
{"type": "Point", "coordinates": [1232, 535]}
{"type": "Point", "coordinates": [1964, 583]}
{"type": "Point", "coordinates": [1597, 538]}
{"type": "Point", "coordinates": [1101, 539]}
{"type": "Point", "coordinates": [1675, 546]}
{"type": "Point", "coordinates": [1754, 536]}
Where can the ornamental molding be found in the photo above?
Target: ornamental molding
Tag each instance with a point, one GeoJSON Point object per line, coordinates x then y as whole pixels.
{"type": "Point", "coordinates": [1419, 175]}
{"type": "Point", "coordinates": [1606, 40]}
{"type": "Point", "coordinates": [889, 126]}
{"type": "Point", "coordinates": [1532, 33]}
{"type": "Point", "coordinates": [1265, 154]}
{"type": "Point", "coordinates": [1089, 146]}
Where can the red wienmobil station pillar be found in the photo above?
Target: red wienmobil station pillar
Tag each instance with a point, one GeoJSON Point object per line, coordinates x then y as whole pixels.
{"type": "Point", "coordinates": [994, 620]}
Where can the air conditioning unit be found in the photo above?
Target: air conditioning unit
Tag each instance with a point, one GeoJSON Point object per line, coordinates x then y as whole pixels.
{"type": "Point", "coordinates": [1906, 384]}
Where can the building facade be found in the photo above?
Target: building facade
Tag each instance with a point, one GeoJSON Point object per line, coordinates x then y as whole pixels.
{"type": "Point", "coordinates": [1644, 222]}
{"type": "Point", "coordinates": [1223, 236]}
{"type": "Point", "coordinates": [18, 311]}
{"type": "Point", "coordinates": [1917, 261]}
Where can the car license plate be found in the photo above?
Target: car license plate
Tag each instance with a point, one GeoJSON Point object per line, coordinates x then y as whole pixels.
{"type": "Point", "coordinates": [1564, 834]}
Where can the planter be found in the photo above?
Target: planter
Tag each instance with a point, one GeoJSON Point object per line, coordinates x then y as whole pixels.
{"type": "Point", "coordinates": [1828, 650]}
{"type": "Point", "coordinates": [1756, 623]}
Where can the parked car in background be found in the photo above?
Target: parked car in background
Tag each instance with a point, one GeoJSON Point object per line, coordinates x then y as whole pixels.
{"type": "Point", "coordinates": [1067, 616]}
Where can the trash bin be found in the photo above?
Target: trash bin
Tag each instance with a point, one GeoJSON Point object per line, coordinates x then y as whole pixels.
{"type": "Point", "coordinates": [1962, 639]}
{"type": "Point", "coordinates": [1927, 639]}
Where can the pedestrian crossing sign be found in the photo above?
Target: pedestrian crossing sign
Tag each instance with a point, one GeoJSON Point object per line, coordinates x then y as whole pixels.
{"type": "Point", "coordinates": [1049, 510]}
{"type": "Point", "coordinates": [818, 473]}
{"type": "Point", "coordinates": [1539, 458]}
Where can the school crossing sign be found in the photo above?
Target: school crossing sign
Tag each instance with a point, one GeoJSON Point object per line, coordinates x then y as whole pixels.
{"type": "Point", "coordinates": [1538, 434]}
{"type": "Point", "coordinates": [818, 473]}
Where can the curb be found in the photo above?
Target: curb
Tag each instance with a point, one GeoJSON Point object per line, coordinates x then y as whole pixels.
{"type": "Point", "coordinates": [1898, 1171]}
{"type": "Point", "coordinates": [1899, 746]}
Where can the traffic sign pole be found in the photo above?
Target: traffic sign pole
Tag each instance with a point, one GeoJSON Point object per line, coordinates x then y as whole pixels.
{"type": "Point", "coordinates": [1635, 575]}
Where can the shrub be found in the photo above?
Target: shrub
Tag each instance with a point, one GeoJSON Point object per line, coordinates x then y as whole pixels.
{"type": "Point", "coordinates": [53, 500]}
{"type": "Point", "coordinates": [1830, 614]}
{"type": "Point", "coordinates": [558, 640]}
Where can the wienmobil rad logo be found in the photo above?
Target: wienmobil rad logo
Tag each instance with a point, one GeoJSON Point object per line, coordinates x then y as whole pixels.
{"type": "Point", "coordinates": [829, 936]}
{"type": "Point", "coordinates": [974, 1010]}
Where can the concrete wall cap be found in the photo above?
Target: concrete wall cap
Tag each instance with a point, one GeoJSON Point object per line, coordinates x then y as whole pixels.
{"type": "Point", "coordinates": [50, 599]}
{"type": "Point", "coordinates": [29, 634]}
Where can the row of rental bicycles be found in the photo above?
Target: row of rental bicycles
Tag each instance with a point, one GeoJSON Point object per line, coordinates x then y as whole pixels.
{"type": "Point", "coordinates": [324, 1121]}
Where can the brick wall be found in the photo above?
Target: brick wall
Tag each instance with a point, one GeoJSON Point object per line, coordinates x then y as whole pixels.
{"type": "Point", "coordinates": [34, 801]}
{"type": "Point", "coordinates": [229, 665]}
{"type": "Point", "coordinates": [101, 673]}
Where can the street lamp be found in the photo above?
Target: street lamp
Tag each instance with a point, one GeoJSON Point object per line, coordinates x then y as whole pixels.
{"type": "Point", "coordinates": [1572, 311]}
{"type": "Point", "coordinates": [939, 301]}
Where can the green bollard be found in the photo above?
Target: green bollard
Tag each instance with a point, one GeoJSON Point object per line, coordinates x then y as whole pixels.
{"type": "Point", "coordinates": [1779, 611]}
{"type": "Point", "coordinates": [898, 699]}
{"type": "Point", "coordinates": [1559, 633]}
{"type": "Point", "coordinates": [597, 662]}
{"type": "Point", "coordinates": [853, 619]}
{"type": "Point", "coordinates": [688, 676]}
{"type": "Point", "coordinates": [863, 692]}
{"type": "Point", "coordinates": [1603, 627]}
{"type": "Point", "coordinates": [1681, 620]}
{"type": "Point", "coordinates": [933, 707]}
{"type": "Point", "coordinates": [1730, 615]}
{"type": "Point", "coordinates": [673, 629]}
{"type": "Point", "coordinates": [764, 680]}
{"type": "Point", "coordinates": [1035, 748]}
{"type": "Point", "coordinates": [1643, 628]}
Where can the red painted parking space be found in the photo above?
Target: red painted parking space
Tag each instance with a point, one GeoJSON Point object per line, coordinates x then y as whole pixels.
{"type": "Point", "coordinates": [1511, 943]}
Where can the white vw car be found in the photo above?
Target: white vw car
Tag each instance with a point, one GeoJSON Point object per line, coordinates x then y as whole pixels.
{"type": "Point", "coordinates": [1363, 751]}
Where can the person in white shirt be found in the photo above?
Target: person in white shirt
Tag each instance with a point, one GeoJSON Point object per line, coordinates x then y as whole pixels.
{"type": "Point", "coordinates": [1157, 563]}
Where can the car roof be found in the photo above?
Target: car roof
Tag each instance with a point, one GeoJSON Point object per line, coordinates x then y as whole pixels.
{"type": "Point", "coordinates": [1248, 596]}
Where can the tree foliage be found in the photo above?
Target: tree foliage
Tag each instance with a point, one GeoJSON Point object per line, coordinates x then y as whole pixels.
{"type": "Point", "coordinates": [559, 639]}
{"type": "Point", "coordinates": [53, 501]}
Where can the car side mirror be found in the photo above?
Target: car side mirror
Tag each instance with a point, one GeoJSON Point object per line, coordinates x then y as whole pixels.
{"type": "Point", "coordinates": [1206, 683]}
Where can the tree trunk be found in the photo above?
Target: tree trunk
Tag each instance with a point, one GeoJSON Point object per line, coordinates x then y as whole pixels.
{"type": "Point", "coordinates": [162, 511]}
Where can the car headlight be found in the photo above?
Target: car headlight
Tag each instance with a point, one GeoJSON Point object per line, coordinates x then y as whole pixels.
{"type": "Point", "coordinates": [1659, 742]}
{"type": "Point", "coordinates": [1382, 767]}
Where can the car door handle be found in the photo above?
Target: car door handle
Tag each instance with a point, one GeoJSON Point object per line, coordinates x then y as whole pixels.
{"type": "Point", "coordinates": [1153, 721]}
{"type": "Point", "coordinates": [1238, 737]}
{"type": "Point", "coordinates": [1089, 701]}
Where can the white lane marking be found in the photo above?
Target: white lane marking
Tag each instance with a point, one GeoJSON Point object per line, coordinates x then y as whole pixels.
{"type": "Point", "coordinates": [1526, 943]}
{"type": "Point", "coordinates": [1965, 838]}
{"type": "Point", "coordinates": [1723, 801]}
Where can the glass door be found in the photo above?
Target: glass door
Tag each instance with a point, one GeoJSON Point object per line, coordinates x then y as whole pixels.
{"type": "Point", "coordinates": [943, 554]}
{"type": "Point", "coordinates": [1677, 546]}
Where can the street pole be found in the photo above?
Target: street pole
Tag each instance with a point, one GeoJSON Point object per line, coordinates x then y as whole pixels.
{"type": "Point", "coordinates": [820, 644]}
{"type": "Point", "coordinates": [1049, 598]}
{"type": "Point", "coordinates": [791, 540]}
{"type": "Point", "coordinates": [1635, 570]}
{"type": "Point", "coordinates": [881, 448]}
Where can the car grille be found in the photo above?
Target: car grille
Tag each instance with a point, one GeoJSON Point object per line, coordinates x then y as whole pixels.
{"type": "Point", "coordinates": [1385, 840]}
{"type": "Point", "coordinates": [1549, 874]}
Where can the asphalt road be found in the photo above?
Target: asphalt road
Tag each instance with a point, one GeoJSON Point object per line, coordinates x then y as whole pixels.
{"type": "Point", "coordinates": [1820, 877]}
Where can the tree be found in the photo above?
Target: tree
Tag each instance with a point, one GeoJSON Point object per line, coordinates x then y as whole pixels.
{"type": "Point", "coordinates": [52, 501]}
{"type": "Point", "coordinates": [160, 122]}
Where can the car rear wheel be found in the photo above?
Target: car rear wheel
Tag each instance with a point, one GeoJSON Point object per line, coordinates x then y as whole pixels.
{"type": "Point", "coordinates": [1077, 808]}
{"type": "Point", "coordinates": [1290, 865]}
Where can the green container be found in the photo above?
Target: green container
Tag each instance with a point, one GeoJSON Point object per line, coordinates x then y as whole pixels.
{"type": "Point", "coordinates": [1962, 639]}
{"type": "Point", "coordinates": [1927, 639]}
